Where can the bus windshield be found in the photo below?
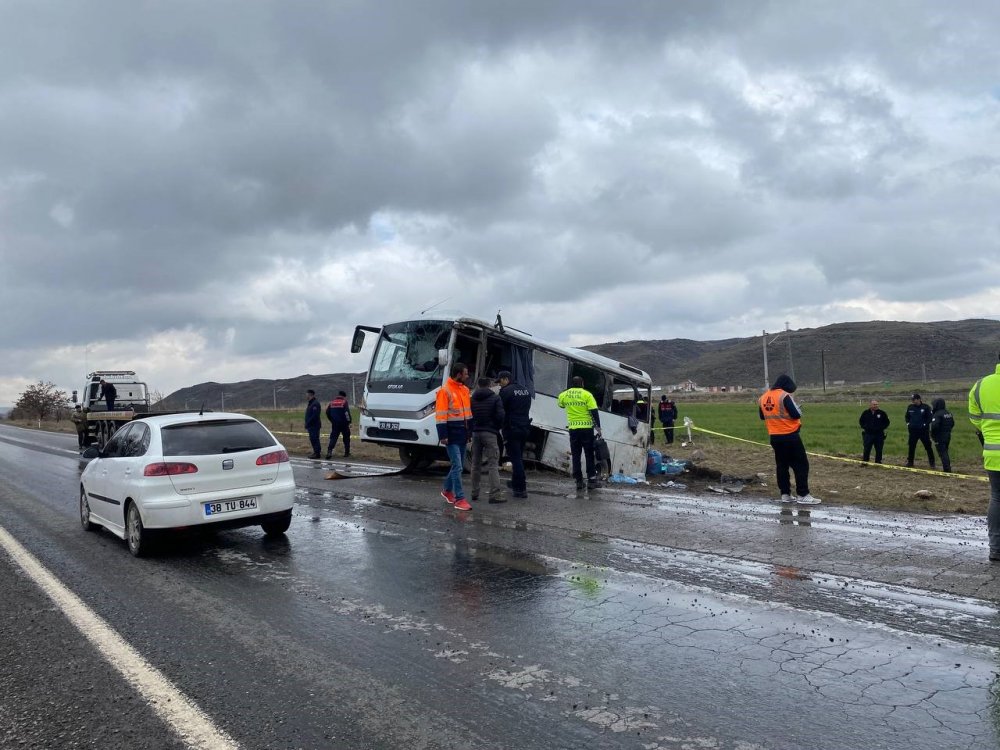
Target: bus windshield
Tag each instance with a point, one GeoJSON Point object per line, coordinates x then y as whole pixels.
{"type": "Point", "coordinates": [406, 358]}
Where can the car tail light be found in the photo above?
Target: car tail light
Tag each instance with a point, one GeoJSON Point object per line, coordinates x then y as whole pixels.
{"type": "Point", "coordinates": [165, 469]}
{"type": "Point", "coordinates": [274, 457]}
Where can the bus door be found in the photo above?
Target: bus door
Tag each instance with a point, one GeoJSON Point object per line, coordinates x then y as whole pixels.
{"type": "Point", "coordinates": [468, 350]}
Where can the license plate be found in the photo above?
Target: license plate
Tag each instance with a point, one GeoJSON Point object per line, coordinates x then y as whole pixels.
{"type": "Point", "coordinates": [230, 506]}
{"type": "Point", "coordinates": [388, 425]}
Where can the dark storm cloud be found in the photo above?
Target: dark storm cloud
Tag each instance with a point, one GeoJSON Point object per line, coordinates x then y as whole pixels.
{"type": "Point", "coordinates": [229, 185]}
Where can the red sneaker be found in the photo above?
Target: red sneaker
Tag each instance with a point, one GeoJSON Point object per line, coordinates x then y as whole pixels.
{"type": "Point", "coordinates": [462, 504]}
{"type": "Point", "coordinates": [449, 496]}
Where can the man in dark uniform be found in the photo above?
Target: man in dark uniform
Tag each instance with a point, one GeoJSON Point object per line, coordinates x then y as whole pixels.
{"type": "Point", "coordinates": [313, 422]}
{"type": "Point", "coordinates": [109, 393]}
{"type": "Point", "coordinates": [942, 423]}
{"type": "Point", "coordinates": [516, 400]}
{"type": "Point", "coordinates": [873, 423]}
{"type": "Point", "coordinates": [918, 421]}
{"type": "Point", "coordinates": [338, 411]}
{"type": "Point", "coordinates": [668, 415]}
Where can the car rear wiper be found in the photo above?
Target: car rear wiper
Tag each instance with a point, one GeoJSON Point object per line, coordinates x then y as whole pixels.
{"type": "Point", "coordinates": [239, 448]}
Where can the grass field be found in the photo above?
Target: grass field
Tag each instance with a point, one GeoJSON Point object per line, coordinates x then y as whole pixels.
{"type": "Point", "coordinates": [832, 428]}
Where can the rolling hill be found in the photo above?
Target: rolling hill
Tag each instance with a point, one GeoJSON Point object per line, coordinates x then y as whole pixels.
{"type": "Point", "coordinates": [853, 353]}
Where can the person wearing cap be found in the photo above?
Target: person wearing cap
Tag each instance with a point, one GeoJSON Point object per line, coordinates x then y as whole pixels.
{"type": "Point", "coordinates": [918, 422]}
{"type": "Point", "coordinates": [783, 420]}
{"type": "Point", "coordinates": [516, 400]}
{"type": "Point", "coordinates": [873, 422]}
{"type": "Point", "coordinates": [984, 413]}
{"type": "Point", "coordinates": [313, 422]}
{"type": "Point", "coordinates": [668, 415]}
{"type": "Point", "coordinates": [338, 411]}
{"type": "Point", "coordinates": [584, 424]}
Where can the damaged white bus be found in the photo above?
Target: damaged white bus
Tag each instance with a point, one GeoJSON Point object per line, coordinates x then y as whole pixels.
{"type": "Point", "coordinates": [410, 362]}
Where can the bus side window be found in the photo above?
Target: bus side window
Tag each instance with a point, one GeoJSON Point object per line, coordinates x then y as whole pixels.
{"type": "Point", "coordinates": [595, 381]}
{"type": "Point", "coordinates": [551, 373]}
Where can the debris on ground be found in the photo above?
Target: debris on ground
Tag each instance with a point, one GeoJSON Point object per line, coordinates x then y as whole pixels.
{"type": "Point", "coordinates": [733, 489]}
{"type": "Point", "coordinates": [923, 494]}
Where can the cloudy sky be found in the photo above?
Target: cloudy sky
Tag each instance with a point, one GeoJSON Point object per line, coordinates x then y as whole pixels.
{"type": "Point", "coordinates": [222, 190]}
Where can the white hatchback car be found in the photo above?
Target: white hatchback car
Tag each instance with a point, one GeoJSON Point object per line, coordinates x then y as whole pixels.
{"type": "Point", "coordinates": [171, 471]}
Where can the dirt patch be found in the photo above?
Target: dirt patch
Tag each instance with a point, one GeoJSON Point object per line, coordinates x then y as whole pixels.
{"type": "Point", "coordinates": [837, 482]}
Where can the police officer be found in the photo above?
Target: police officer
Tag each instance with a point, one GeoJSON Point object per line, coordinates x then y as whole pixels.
{"type": "Point", "coordinates": [984, 413]}
{"type": "Point", "coordinates": [918, 421]}
{"type": "Point", "coordinates": [338, 411]}
{"type": "Point", "coordinates": [873, 422]}
{"type": "Point", "coordinates": [313, 422]}
{"type": "Point", "coordinates": [516, 400]}
{"type": "Point", "coordinates": [584, 422]}
{"type": "Point", "coordinates": [668, 415]}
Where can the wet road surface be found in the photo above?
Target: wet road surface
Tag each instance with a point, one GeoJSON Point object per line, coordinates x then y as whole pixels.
{"type": "Point", "coordinates": [618, 619]}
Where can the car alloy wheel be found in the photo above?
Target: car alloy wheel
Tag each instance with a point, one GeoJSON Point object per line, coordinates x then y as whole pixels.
{"type": "Point", "coordinates": [85, 521]}
{"type": "Point", "coordinates": [136, 534]}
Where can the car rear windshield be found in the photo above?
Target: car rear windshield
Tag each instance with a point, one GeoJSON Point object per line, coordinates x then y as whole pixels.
{"type": "Point", "coordinates": [215, 437]}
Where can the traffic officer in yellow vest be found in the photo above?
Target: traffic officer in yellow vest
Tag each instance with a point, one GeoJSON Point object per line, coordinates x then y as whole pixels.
{"type": "Point", "coordinates": [984, 413]}
{"type": "Point", "coordinates": [584, 422]}
{"type": "Point", "coordinates": [783, 419]}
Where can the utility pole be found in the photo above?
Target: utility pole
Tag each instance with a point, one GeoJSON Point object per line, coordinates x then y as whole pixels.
{"type": "Point", "coordinates": [766, 343]}
{"type": "Point", "coordinates": [274, 394]}
{"type": "Point", "coordinates": [923, 370]}
{"type": "Point", "coordinates": [822, 360]}
{"type": "Point", "coordinates": [763, 340]}
{"type": "Point", "coordinates": [791, 367]}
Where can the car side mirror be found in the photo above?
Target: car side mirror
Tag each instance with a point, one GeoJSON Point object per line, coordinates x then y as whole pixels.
{"type": "Point", "coordinates": [92, 452]}
{"type": "Point", "coordinates": [442, 357]}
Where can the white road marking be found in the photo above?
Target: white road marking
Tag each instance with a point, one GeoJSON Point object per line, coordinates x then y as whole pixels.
{"type": "Point", "coordinates": [169, 703]}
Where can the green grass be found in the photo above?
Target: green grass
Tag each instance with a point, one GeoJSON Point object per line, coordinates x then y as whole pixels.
{"type": "Point", "coordinates": [832, 428]}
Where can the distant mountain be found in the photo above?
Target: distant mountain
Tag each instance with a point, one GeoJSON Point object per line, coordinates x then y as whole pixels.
{"type": "Point", "coordinates": [854, 353]}
{"type": "Point", "coordinates": [260, 393]}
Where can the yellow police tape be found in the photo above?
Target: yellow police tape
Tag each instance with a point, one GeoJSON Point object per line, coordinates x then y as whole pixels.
{"type": "Point", "coordinates": [832, 458]}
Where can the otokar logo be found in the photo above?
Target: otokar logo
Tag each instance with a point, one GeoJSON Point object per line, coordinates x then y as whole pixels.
{"type": "Point", "coordinates": [395, 387]}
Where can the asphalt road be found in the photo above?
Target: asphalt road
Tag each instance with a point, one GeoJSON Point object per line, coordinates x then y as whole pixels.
{"type": "Point", "coordinates": [617, 619]}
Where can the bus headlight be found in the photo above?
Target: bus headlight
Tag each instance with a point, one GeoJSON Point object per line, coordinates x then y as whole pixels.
{"type": "Point", "coordinates": [426, 411]}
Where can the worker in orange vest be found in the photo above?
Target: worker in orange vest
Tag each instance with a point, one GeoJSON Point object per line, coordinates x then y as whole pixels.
{"type": "Point", "coordinates": [453, 413]}
{"type": "Point", "coordinates": [783, 419]}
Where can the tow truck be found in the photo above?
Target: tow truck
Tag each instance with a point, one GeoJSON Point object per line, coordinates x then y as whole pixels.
{"type": "Point", "coordinates": [131, 402]}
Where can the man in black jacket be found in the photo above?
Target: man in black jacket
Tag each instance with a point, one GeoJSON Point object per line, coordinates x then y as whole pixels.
{"type": "Point", "coordinates": [668, 415]}
{"type": "Point", "coordinates": [918, 421]}
{"type": "Point", "coordinates": [873, 423]}
{"type": "Point", "coordinates": [338, 411]}
{"type": "Point", "coordinates": [487, 420]}
{"type": "Point", "coordinates": [313, 422]}
{"type": "Point", "coordinates": [109, 393]}
{"type": "Point", "coordinates": [516, 400]}
{"type": "Point", "coordinates": [942, 423]}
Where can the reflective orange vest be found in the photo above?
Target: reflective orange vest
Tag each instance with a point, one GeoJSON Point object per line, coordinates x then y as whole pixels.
{"type": "Point", "coordinates": [452, 403]}
{"type": "Point", "coordinates": [772, 406]}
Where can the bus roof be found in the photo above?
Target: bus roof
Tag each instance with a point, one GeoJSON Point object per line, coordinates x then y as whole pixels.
{"type": "Point", "coordinates": [581, 355]}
